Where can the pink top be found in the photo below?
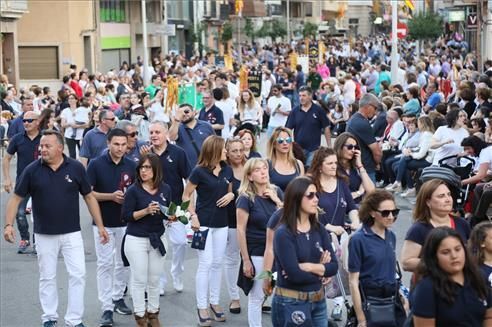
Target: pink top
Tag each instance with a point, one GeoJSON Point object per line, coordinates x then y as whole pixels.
{"type": "Point", "coordinates": [323, 71]}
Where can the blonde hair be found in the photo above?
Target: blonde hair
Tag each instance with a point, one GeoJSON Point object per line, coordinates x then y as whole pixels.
{"type": "Point", "coordinates": [248, 187]}
{"type": "Point", "coordinates": [272, 153]}
{"type": "Point", "coordinates": [251, 104]}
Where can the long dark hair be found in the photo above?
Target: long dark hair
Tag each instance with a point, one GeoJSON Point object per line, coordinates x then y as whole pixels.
{"type": "Point", "coordinates": [444, 287]}
{"type": "Point", "coordinates": [294, 193]}
{"type": "Point", "coordinates": [155, 162]}
{"type": "Point", "coordinates": [315, 170]}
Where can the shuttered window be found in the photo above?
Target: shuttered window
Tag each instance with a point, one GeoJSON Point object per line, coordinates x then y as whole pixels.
{"type": "Point", "coordinates": [38, 62]}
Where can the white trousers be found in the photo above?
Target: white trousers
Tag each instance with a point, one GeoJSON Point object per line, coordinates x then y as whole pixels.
{"type": "Point", "coordinates": [146, 266]}
{"type": "Point", "coordinates": [209, 271]}
{"type": "Point", "coordinates": [71, 247]}
{"type": "Point", "coordinates": [232, 261]}
{"type": "Point", "coordinates": [256, 295]}
{"type": "Point", "coordinates": [112, 276]}
{"type": "Point", "coordinates": [176, 233]}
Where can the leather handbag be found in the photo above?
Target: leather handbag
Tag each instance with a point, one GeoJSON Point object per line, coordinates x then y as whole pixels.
{"type": "Point", "coordinates": [379, 311]}
{"type": "Point", "coordinates": [199, 239]}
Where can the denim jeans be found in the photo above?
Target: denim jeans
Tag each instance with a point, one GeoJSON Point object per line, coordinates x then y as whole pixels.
{"type": "Point", "coordinates": [319, 314]}
{"type": "Point", "coordinates": [309, 157]}
{"type": "Point", "coordinates": [406, 165]}
{"type": "Point", "coordinates": [22, 223]}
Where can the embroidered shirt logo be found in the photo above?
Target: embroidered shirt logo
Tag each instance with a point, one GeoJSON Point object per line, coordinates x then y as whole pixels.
{"type": "Point", "coordinates": [315, 117]}
{"type": "Point", "coordinates": [298, 317]}
{"type": "Point", "coordinates": [67, 178]}
{"type": "Point", "coordinates": [169, 159]}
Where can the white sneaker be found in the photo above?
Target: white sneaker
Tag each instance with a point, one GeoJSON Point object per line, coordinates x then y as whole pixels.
{"type": "Point", "coordinates": [410, 192]}
{"type": "Point", "coordinates": [390, 187]}
{"type": "Point", "coordinates": [178, 285]}
{"type": "Point", "coordinates": [162, 291]}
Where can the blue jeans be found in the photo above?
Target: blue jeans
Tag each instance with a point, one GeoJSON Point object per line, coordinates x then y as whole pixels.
{"type": "Point", "coordinates": [309, 157]}
{"type": "Point", "coordinates": [319, 313]}
{"type": "Point", "coordinates": [22, 223]}
{"type": "Point", "coordinates": [406, 165]}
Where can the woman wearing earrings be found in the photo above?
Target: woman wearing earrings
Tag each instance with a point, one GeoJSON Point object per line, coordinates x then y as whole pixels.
{"type": "Point", "coordinates": [283, 166]}
{"type": "Point", "coordinates": [257, 201]}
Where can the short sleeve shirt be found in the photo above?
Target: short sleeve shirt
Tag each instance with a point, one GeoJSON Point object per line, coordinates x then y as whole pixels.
{"type": "Point", "coordinates": [27, 150]}
{"type": "Point", "coordinates": [336, 205]}
{"type": "Point", "coordinates": [361, 129]}
{"type": "Point", "coordinates": [214, 116]}
{"type": "Point", "coordinates": [198, 134]}
{"type": "Point", "coordinates": [93, 144]}
{"type": "Point", "coordinates": [418, 231]}
{"type": "Point", "coordinates": [308, 126]}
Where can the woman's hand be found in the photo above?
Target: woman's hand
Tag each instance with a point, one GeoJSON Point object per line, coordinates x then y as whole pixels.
{"type": "Point", "coordinates": [195, 223]}
{"type": "Point", "coordinates": [269, 193]}
{"type": "Point", "coordinates": [325, 257]}
{"type": "Point", "coordinates": [358, 160]}
{"type": "Point", "coordinates": [153, 208]}
{"type": "Point", "coordinates": [225, 200]}
{"type": "Point", "coordinates": [248, 269]}
{"type": "Point", "coordinates": [267, 287]}
{"type": "Point", "coordinates": [338, 230]}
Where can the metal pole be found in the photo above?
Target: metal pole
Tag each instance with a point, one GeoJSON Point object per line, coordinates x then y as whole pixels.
{"type": "Point", "coordinates": [394, 41]}
{"type": "Point", "coordinates": [288, 21]}
{"type": "Point", "coordinates": [146, 76]}
{"type": "Point", "coordinates": [239, 38]}
{"type": "Point", "coordinates": [165, 47]}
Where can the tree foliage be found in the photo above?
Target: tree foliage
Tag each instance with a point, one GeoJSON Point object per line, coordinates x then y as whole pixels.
{"type": "Point", "coordinates": [249, 29]}
{"type": "Point", "coordinates": [226, 32]}
{"type": "Point", "coordinates": [425, 26]}
{"type": "Point", "coordinates": [273, 29]}
{"type": "Point", "coordinates": [310, 29]}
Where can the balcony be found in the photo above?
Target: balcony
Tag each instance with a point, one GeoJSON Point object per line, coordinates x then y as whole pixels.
{"type": "Point", "coordinates": [13, 9]}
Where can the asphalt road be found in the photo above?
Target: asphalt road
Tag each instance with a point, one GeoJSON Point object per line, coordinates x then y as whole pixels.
{"type": "Point", "coordinates": [19, 301]}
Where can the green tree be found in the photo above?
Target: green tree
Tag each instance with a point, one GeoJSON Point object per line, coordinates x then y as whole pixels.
{"type": "Point", "coordinates": [310, 29]}
{"type": "Point", "coordinates": [249, 29]}
{"type": "Point", "coordinates": [226, 33]}
{"type": "Point", "coordinates": [278, 29]}
{"type": "Point", "coordinates": [425, 26]}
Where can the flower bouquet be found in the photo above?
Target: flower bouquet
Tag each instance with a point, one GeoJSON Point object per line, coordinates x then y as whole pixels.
{"type": "Point", "coordinates": [177, 212]}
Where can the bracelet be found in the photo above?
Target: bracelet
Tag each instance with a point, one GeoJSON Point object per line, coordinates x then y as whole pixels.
{"type": "Point", "coordinates": [359, 167]}
{"type": "Point", "coordinates": [7, 225]}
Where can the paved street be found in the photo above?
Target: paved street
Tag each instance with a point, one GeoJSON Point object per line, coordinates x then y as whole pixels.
{"type": "Point", "coordinates": [19, 283]}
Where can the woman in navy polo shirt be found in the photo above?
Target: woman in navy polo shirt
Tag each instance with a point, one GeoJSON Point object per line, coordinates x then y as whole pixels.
{"type": "Point", "coordinates": [144, 240]}
{"type": "Point", "coordinates": [236, 159]}
{"type": "Point", "coordinates": [452, 291]}
{"type": "Point", "coordinates": [480, 245]}
{"type": "Point", "coordinates": [433, 208]}
{"type": "Point", "coordinates": [303, 256]}
{"type": "Point", "coordinates": [350, 165]}
{"type": "Point", "coordinates": [372, 258]}
{"type": "Point", "coordinates": [283, 166]}
{"type": "Point", "coordinates": [249, 141]}
{"type": "Point", "coordinates": [212, 180]}
{"type": "Point", "coordinates": [257, 201]}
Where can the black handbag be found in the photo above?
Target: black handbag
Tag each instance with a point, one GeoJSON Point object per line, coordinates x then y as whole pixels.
{"type": "Point", "coordinates": [199, 239]}
{"type": "Point", "coordinates": [379, 311]}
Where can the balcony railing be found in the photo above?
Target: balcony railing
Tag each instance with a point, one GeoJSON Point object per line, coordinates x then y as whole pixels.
{"type": "Point", "coordinates": [13, 8]}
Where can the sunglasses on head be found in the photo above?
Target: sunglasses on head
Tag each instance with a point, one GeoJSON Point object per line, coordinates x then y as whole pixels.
{"type": "Point", "coordinates": [287, 140]}
{"type": "Point", "coordinates": [28, 120]}
{"type": "Point", "coordinates": [352, 146]}
{"type": "Point", "coordinates": [386, 213]}
{"type": "Point", "coordinates": [311, 195]}
{"type": "Point", "coordinates": [132, 134]}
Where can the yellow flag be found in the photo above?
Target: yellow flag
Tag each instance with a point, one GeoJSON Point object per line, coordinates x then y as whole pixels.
{"type": "Point", "coordinates": [322, 50]}
{"type": "Point", "coordinates": [293, 60]}
{"type": "Point", "coordinates": [172, 93]}
{"type": "Point", "coordinates": [243, 78]}
{"type": "Point", "coordinates": [410, 5]}
{"type": "Point", "coordinates": [228, 61]}
{"type": "Point", "coordinates": [239, 6]}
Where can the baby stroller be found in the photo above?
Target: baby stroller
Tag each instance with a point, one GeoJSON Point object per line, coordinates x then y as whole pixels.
{"type": "Point", "coordinates": [452, 175]}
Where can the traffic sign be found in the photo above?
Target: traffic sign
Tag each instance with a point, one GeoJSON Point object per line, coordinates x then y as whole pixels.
{"type": "Point", "coordinates": [472, 21]}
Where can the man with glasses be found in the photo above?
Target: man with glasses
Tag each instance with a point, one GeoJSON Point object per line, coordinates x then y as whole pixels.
{"type": "Point", "coordinates": [360, 127]}
{"type": "Point", "coordinates": [211, 113]}
{"type": "Point", "coordinates": [278, 108]}
{"type": "Point", "coordinates": [134, 144]}
{"type": "Point", "coordinates": [188, 132]}
{"type": "Point", "coordinates": [308, 121]}
{"type": "Point", "coordinates": [26, 146]}
{"type": "Point", "coordinates": [94, 142]}
{"type": "Point", "coordinates": [123, 112]}
{"type": "Point", "coordinates": [17, 126]}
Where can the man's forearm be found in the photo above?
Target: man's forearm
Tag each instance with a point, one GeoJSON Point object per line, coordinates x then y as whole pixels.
{"type": "Point", "coordinates": [83, 161]}
{"type": "Point", "coordinates": [5, 167]}
{"type": "Point", "coordinates": [11, 211]}
{"type": "Point", "coordinates": [94, 209]}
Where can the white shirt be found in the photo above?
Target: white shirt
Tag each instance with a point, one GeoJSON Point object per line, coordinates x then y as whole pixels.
{"type": "Point", "coordinates": [229, 109]}
{"type": "Point", "coordinates": [277, 119]}
{"type": "Point", "coordinates": [158, 113]}
{"type": "Point", "coordinates": [79, 115]}
{"type": "Point", "coordinates": [485, 157]}
{"type": "Point", "coordinates": [445, 133]}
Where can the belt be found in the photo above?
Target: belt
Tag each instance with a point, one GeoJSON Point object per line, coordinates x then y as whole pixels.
{"type": "Point", "coordinates": [303, 296]}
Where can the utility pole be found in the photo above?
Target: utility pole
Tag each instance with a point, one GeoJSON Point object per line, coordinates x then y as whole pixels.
{"type": "Point", "coordinates": [146, 76]}
{"type": "Point", "coordinates": [165, 42]}
{"type": "Point", "coordinates": [394, 41]}
{"type": "Point", "coordinates": [288, 21]}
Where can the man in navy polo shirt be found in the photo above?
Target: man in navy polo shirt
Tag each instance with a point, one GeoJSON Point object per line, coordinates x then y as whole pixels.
{"type": "Point", "coordinates": [110, 175]}
{"type": "Point", "coordinates": [188, 132]}
{"type": "Point", "coordinates": [175, 169]}
{"type": "Point", "coordinates": [26, 146]}
{"type": "Point", "coordinates": [211, 113]}
{"type": "Point", "coordinates": [308, 121]}
{"type": "Point", "coordinates": [94, 142]}
{"type": "Point", "coordinates": [57, 225]}
{"type": "Point", "coordinates": [134, 144]}
{"type": "Point", "coordinates": [16, 126]}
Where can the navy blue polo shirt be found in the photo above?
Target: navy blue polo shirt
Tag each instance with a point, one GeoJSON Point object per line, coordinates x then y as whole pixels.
{"type": "Point", "coordinates": [359, 126]}
{"type": "Point", "coordinates": [134, 154]}
{"type": "Point", "coordinates": [16, 126]}
{"type": "Point", "coordinates": [137, 198]}
{"type": "Point", "coordinates": [210, 189]}
{"type": "Point", "coordinates": [373, 257]}
{"type": "Point", "coordinates": [106, 176]}
{"type": "Point", "coordinates": [27, 150]}
{"type": "Point", "coordinates": [93, 144]}
{"type": "Point", "coordinates": [214, 116]}
{"type": "Point", "coordinates": [260, 210]}
{"type": "Point", "coordinates": [55, 195]}
{"type": "Point", "coordinates": [468, 309]}
{"type": "Point", "coordinates": [354, 181]}
{"type": "Point", "coordinates": [175, 168]}
{"type": "Point", "coordinates": [486, 273]}
{"type": "Point", "coordinates": [199, 133]}
{"type": "Point", "coordinates": [281, 180]}
{"type": "Point", "coordinates": [308, 126]}
{"type": "Point", "coordinates": [231, 207]}
{"type": "Point", "coordinates": [418, 232]}
{"type": "Point", "coordinates": [273, 222]}
{"type": "Point", "coordinates": [336, 205]}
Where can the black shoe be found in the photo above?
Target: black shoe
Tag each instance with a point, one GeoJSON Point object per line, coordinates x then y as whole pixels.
{"type": "Point", "coordinates": [50, 323]}
{"type": "Point", "coordinates": [106, 319]}
{"type": "Point", "coordinates": [121, 308]}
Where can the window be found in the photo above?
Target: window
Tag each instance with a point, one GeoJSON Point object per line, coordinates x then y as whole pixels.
{"type": "Point", "coordinates": [354, 21]}
{"type": "Point", "coordinates": [112, 59]}
{"type": "Point", "coordinates": [113, 11]}
{"type": "Point", "coordinates": [295, 9]}
{"type": "Point", "coordinates": [151, 11]}
{"type": "Point", "coordinates": [38, 62]}
{"type": "Point", "coordinates": [308, 8]}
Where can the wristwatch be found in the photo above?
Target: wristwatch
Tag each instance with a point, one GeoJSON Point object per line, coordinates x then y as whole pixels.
{"type": "Point", "coordinates": [7, 225]}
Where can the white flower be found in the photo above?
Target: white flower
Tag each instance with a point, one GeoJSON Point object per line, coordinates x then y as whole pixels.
{"type": "Point", "coordinates": [187, 215]}
{"type": "Point", "coordinates": [179, 212]}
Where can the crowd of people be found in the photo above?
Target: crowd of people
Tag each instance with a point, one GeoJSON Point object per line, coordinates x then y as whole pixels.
{"type": "Point", "coordinates": [313, 208]}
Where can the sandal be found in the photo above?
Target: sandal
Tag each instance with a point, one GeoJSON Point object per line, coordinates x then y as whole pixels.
{"type": "Point", "coordinates": [235, 310]}
{"type": "Point", "coordinates": [218, 315]}
{"type": "Point", "coordinates": [205, 322]}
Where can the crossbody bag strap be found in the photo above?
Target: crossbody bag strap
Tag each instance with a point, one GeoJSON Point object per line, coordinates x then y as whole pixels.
{"type": "Point", "coordinates": [192, 140]}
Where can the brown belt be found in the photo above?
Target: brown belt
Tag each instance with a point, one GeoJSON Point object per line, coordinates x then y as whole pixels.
{"type": "Point", "coordinates": [303, 296]}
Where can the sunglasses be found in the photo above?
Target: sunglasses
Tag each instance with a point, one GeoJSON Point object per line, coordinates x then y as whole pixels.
{"type": "Point", "coordinates": [386, 213]}
{"type": "Point", "coordinates": [311, 195]}
{"type": "Point", "coordinates": [287, 140]}
{"type": "Point", "coordinates": [186, 112]}
{"type": "Point", "coordinates": [352, 146]}
{"type": "Point", "coordinates": [132, 134]}
{"type": "Point", "coordinates": [112, 119]}
{"type": "Point", "coordinates": [28, 120]}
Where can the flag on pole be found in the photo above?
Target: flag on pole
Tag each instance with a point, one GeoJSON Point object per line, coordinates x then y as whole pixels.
{"type": "Point", "coordinates": [228, 61]}
{"type": "Point", "coordinates": [293, 60]}
{"type": "Point", "coordinates": [322, 50]}
{"type": "Point", "coordinates": [239, 7]}
{"type": "Point", "coordinates": [410, 4]}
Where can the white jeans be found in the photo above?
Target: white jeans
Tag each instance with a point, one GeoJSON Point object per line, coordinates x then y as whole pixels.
{"type": "Point", "coordinates": [71, 247]}
{"type": "Point", "coordinates": [176, 233]}
{"type": "Point", "coordinates": [112, 276]}
{"type": "Point", "coordinates": [232, 261]}
{"type": "Point", "coordinates": [146, 266]}
{"type": "Point", "coordinates": [255, 296]}
{"type": "Point", "coordinates": [209, 271]}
